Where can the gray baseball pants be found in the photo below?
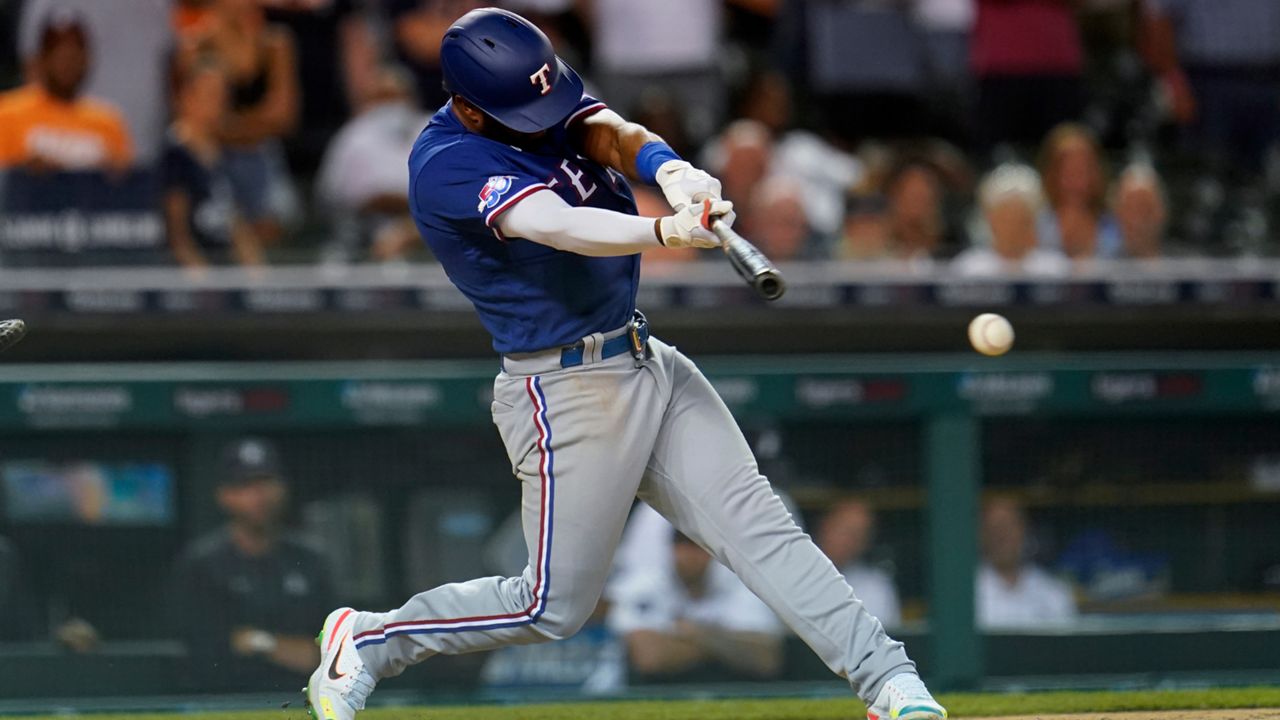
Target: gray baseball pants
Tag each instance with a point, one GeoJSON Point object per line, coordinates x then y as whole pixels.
{"type": "Point", "coordinates": [585, 442]}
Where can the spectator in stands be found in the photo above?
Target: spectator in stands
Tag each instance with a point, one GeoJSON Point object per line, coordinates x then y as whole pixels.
{"type": "Point", "coordinates": [851, 55]}
{"type": "Point", "coordinates": [692, 617]}
{"type": "Point", "coordinates": [845, 534]}
{"type": "Point", "coordinates": [201, 219]}
{"type": "Point", "coordinates": [865, 235]}
{"type": "Point", "coordinates": [262, 75]}
{"type": "Point", "coordinates": [826, 171]}
{"type": "Point", "coordinates": [337, 59]}
{"type": "Point", "coordinates": [417, 27]}
{"type": "Point", "coordinates": [250, 596]}
{"type": "Point", "coordinates": [192, 19]}
{"type": "Point", "coordinates": [1011, 592]}
{"type": "Point", "coordinates": [132, 50]}
{"type": "Point", "coordinates": [1010, 199]}
{"type": "Point", "coordinates": [1076, 220]}
{"type": "Point", "coordinates": [740, 157]}
{"type": "Point", "coordinates": [364, 179]}
{"type": "Point", "coordinates": [946, 26]}
{"type": "Point", "coordinates": [48, 124]}
{"type": "Point", "coordinates": [916, 224]}
{"type": "Point", "coordinates": [1141, 212]}
{"type": "Point", "coordinates": [776, 221]}
{"type": "Point", "coordinates": [671, 44]}
{"type": "Point", "coordinates": [1219, 63]}
{"type": "Point", "coordinates": [1028, 59]}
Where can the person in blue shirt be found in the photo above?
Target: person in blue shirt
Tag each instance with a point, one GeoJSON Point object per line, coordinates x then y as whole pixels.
{"type": "Point", "coordinates": [520, 186]}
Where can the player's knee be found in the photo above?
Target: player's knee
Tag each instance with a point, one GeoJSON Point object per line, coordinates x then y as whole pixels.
{"type": "Point", "coordinates": [560, 626]}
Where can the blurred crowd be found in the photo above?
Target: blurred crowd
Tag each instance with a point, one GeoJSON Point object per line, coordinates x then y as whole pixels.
{"type": "Point", "coordinates": [988, 136]}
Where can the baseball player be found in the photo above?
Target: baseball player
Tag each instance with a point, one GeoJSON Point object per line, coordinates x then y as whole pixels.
{"type": "Point", "coordinates": [520, 186]}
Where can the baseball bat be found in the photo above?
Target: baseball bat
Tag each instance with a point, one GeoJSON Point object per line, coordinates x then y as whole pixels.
{"type": "Point", "coordinates": [759, 272]}
{"type": "Point", "coordinates": [11, 331]}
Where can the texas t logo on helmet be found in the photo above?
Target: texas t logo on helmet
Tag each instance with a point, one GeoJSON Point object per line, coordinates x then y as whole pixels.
{"type": "Point", "coordinates": [540, 78]}
{"type": "Point", "coordinates": [485, 57]}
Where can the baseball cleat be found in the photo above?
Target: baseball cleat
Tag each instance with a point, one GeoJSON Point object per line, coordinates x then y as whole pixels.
{"type": "Point", "coordinates": [904, 697]}
{"type": "Point", "coordinates": [339, 687]}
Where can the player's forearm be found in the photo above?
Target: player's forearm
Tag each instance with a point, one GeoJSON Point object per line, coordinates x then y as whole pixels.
{"type": "Point", "coordinates": [611, 141]}
{"type": "Point", "coordinates": [653, 653]}
{"type": "Point", "coordinates": [296, 653]}
{"type": "Point", "coordinates": [185, 250]}
{"type": "Point", "coordinates": [750, 652]}
{"type": "Point", "coordinates": [245, 245]}
{"type": "Point", "coordinates": [546, 219]}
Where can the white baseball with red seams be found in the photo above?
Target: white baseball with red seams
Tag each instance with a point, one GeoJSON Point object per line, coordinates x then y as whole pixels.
{"type": "Point", "coordinates": [991, 334]}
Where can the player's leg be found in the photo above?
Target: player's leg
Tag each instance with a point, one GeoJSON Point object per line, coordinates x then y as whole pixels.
{"type": "Point", "coordinates": [568, 436]}
{"type": "Point", "coordinates": [703, 477]}
{"type": "Point", "coordinates": [578, 441]}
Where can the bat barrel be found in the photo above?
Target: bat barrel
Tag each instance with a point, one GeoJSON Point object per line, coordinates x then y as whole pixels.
{"type": "Point", "coordinates": [750, 263]}
{"type": "Point", "coordinates": [11, 331]}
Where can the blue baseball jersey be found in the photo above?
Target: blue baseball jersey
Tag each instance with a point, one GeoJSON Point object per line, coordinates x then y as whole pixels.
{"type": "Point", "coordinates": [529, 296]}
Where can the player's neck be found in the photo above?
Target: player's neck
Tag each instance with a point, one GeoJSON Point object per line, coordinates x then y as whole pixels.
{"type": "Point", "coordinates": [490, 128]}
{"type": "Point", "coordinates": [467, 122]}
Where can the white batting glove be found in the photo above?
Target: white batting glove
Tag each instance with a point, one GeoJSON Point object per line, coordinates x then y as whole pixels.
{"type": "Point", "coordinates": [691, 226]}
{"type": "Point", "coordinates": [684, 184]}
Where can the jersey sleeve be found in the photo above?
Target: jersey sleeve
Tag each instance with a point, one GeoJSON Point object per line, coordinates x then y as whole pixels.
{"type": "Point", "coordinates": [586, 107]}
{"type": "Point", "coordinates": [473, 187]}
{"type": "Point", "coordinates": [500, 193]}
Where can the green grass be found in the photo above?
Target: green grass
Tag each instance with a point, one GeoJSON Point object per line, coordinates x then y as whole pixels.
{"type": "Point", "coordinates": [960, 706]}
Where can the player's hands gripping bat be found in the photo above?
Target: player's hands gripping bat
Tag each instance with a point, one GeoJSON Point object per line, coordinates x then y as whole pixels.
{"type": "Point", "coordinates": [11, 331]}
{"type": "Point", "coordinates": [746, 259]}
{"type": "Point", "coordinates": [683, 184]}
{"type": "Point", "coordinates": [690, 226]}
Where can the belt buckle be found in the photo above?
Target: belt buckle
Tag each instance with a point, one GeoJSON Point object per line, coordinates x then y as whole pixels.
{"type": "Point", "coordinates": [639, 345]}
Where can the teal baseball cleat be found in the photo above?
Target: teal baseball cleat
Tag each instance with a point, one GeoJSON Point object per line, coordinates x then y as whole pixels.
{"type": "Point", "coordinates": [904, 697]}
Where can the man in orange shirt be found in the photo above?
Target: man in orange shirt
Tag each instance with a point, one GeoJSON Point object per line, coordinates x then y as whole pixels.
{"type": "Point", "coordinates": [47, 125]}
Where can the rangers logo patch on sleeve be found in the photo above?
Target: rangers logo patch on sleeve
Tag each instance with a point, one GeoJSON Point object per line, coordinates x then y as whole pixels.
{"type": "Point", "coordinates": [493, 190]}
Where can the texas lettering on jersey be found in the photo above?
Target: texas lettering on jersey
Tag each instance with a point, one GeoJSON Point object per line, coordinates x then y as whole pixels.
{"type": "Point", "coordinates": [529, 296]}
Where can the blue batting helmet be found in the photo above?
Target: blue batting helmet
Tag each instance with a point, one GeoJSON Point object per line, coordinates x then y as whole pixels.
{"type": "Point", "coordinates": [505, 66]}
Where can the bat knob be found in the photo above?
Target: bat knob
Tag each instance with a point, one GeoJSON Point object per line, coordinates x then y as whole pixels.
{"type": "Point", "coordinates": [771, 286]}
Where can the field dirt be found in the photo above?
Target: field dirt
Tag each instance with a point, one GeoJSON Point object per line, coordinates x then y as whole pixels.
{"type": "Point", "coordinates": [1250, 714]}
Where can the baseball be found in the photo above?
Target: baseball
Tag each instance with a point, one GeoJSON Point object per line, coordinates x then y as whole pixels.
{"type": "Point", "coordinates": [990, 334]}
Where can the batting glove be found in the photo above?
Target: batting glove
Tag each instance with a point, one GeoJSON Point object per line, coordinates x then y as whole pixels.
{"type": "Point", "coordinates": [684, 184]}
{"type": "Point", "coordinates": [691, 226]}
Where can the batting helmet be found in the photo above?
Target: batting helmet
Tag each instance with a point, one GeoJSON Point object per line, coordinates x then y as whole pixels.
{"type": "Point", "coordinates": [505, 66]}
